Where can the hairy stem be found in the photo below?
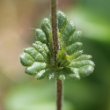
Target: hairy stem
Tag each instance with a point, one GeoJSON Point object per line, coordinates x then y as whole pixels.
{"type": "Point", "coordinates": [56, 48]}
{"type": "Point", "coordinates": [54, 27]}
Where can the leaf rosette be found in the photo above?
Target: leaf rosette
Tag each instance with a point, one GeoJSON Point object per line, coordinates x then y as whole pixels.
{"type": "Point", "coordinates": [71, 61]}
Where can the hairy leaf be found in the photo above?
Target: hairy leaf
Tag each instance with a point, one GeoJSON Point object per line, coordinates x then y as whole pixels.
{"type": "Point", "coordinates": [70, 63]}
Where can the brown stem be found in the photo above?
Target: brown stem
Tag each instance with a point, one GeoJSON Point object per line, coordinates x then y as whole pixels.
{"type": "Point", "coordinates": [56, 48]}
{"type": "Point", "coordinates": [59, 94]}
{"type": "Point", "coordinates": [54, 27]}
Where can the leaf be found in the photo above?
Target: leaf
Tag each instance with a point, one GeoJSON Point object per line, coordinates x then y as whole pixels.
{"type": "Point", "coordinates": [78, 64]}
{"type": "Point", "coordinates": [86, 70]}
{"type": "Point", "coordinates": [62, 77]}
{"type": "Point", "coordinates": [83, 57]}
{"type": "Point", "coordinates": [77, 54]}
{"type": "Point", "coordinates": [62, 58]}
{"type": "Point", "coordinates": [74, 37]}
{"type": "Point", "coordinates": [34, 54]}
{"type": "Point", "coordinates": [40, 74]}
{"type": "Point", "coordinates": [62, 21]}
{"type": "Point", "coordinates": [75, 74]}
{"type": "Point", "coordinates": [74, 47]}
{"type": "Point", "coordinates": [70, 60]}
{"type": "Point", "coordinates": [26, 59]}
{"type": "Point", "coordinates": [46, 27]}
{"type": "Point", "coordinates": [40, 36]}
{"type": "Point", "coordinates": [41, 48]}
{"type": "Point", "coordinates": [35, 68]}
{"type": "Point", "coordinates": [68, 31]}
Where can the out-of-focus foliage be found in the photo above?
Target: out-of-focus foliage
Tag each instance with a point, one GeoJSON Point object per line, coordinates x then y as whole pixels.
{"type": "Point", "coordinates": [91, 93]}
{"type": "Point", "coordinates": [29, 97]}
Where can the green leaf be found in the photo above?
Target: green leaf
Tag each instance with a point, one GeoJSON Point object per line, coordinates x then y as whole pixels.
{"type": "Point", "coordinates": [68, 31]}
{"type": "Point", "coordinates": [77, 54]}
{"type": "Point", "coordinates": [74, 37]}
{"type": "Point", "coordinates": [35, 54]}
{"type": "Point", "coordinates": [74, 47]}
{"type": "Point", "coordinates": [35, 68]}
{"type": "Point", "coordinates": [78, 64]}
{"type": "Point", "coordinates": [62, 77]}
{"type": "Point", "coordinates": [40, 74]}
{"type": "Point", "coordinates": [46, 27]}
{"type": "Point", "coordinates": [83, 57]}
{"type": "Point", "coordinates": [75, 74]}
{"type": "Point", "coordinates": [70, 61]}
{"type": "Point", "coordinates": [62, 21]}
{"type": "Point", "coordinates": [41, 48]}
{"type": "Point", "coordinates": [26, 59]}
{"type": "Point", "coordinates": [40, 36]}
{"type": "Point", "coordinates": [86, 70]}
{"type": "Point", "coordinates": [62, 59]}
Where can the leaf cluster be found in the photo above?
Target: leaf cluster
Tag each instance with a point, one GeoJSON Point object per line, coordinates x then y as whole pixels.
{"type": "Point", "coordinates": [70, 63]}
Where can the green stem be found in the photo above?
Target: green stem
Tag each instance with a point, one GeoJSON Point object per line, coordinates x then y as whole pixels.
{"type": "Point", "coordinates": [56, 48]}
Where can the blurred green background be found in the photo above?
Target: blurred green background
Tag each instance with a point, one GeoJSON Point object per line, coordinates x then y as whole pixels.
{"type": "Point", "coordinates": [18, 91]}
